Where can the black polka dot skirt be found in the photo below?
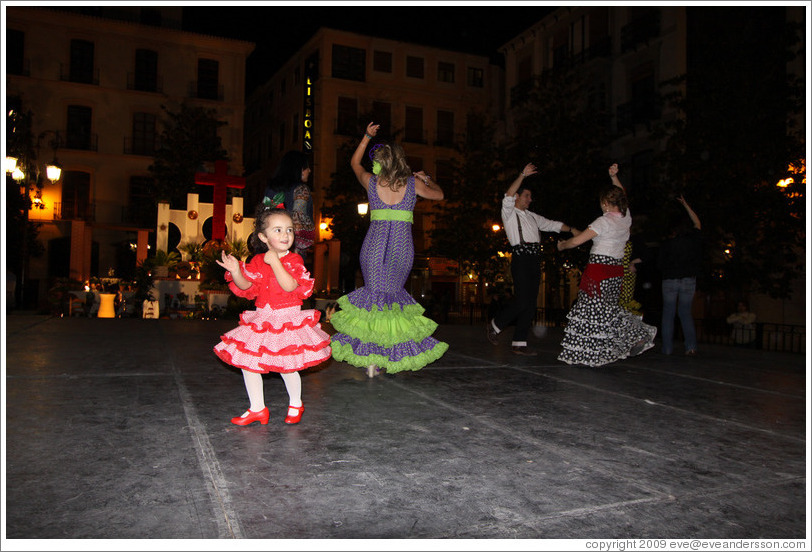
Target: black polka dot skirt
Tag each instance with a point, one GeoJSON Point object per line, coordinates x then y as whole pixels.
{"type": "Point", "coordinates": [599, 331]}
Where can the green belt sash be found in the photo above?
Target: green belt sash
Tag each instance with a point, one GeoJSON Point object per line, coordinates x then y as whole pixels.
{"type": "Point", "coordinates": [391, 214]}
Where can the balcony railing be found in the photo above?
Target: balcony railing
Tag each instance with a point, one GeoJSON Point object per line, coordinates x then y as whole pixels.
{"type": "Point", "coordinates": [415, 136]}
{"type": "Point", "coordinates": [83, 77]}
{"type": "Point", "coordinates": [204, 91]}
{"type": "Point", "coordinates": [145, 84]}
{"type": "Point", "coordinates": [79, 141]}
{"type": "Point", "coordinates": [75, 210]}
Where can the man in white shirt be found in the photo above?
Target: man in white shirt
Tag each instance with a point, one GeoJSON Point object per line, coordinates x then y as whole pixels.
{"type": "Point", "coordinates": [523, 229]}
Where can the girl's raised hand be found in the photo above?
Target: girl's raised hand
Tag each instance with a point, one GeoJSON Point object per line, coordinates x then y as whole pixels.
{"type": "Point", "coordinates": [229, 262]}
{"type": "Point", "coordinates": [372, 129]}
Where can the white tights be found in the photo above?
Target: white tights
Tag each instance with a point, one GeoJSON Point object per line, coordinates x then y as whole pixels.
{"type": "Point", "coordinates": [256, 393]}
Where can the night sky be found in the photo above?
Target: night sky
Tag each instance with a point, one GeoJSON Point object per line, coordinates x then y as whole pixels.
{"type": "Point", "coordinates": [279, 31]}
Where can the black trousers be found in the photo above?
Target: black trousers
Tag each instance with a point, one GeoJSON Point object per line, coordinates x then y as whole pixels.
{"type": "Point", "coordinates": [526, 272]}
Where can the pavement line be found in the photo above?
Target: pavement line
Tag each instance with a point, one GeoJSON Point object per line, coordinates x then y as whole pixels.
{"type": "Point", "coordinates": [718, 382]}
{"type": "Point", "coordinates": [228, 523]}
{"type": "Point", "coordinates": [675, 408]}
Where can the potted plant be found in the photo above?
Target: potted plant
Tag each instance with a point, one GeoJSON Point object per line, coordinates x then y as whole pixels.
{"type": "Point", "coordinates": [163, 261]}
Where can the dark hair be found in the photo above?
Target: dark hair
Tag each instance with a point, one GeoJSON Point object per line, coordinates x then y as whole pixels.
{"type": "Point", "coordinates": [260, 221]}
{"type": "Point", "coordinates": [290, 169]}
{"type": "Point", "coordinates": [522, 188]}
{"type": "Point", "coordinates": [614, 195]}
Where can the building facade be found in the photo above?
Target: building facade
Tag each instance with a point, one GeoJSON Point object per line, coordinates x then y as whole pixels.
{"type": "Point", "coordinates": [95, 81]}
{"type": "Point", "coordinates": [321, 100]}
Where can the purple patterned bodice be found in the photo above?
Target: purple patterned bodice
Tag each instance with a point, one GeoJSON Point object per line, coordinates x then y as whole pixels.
{"type": "Point", "coordinates": [388, 251]}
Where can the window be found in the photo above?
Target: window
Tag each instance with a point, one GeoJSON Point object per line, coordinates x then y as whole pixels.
{"type": "Point", "coordinates": [561, 46]}
{"type": "Point", "coordinates": [81, 61]}
{"type": "Point", "coordinates": [347, 120]}
{"type": "Point", "coordinates": [445, 128]}
{"type": "Point", "coordinates": [382, 114]}
{"type": "Point", "coordinates": [15, 52]}
{"type": "Point", "coordinates": [146, 71]}
{"type": "Point", "coordinates": [144, 135]}
{"type": "Point", "coordinates": [208, 79]}
{"type": "Point", "coordinates": [414, 125]}
{"type": "Point", "coordinates": [281, 136]}
{"type": "Point", "coordinates": [414, 67]}
{"type": "Point", "coordinates": [445, 72]}
{"type": "Point", "coordinates": [382, 61]}
{"type": "Point", "coordinates": [476, 77]}
{"type": "Point", "coordinates": [75, 195]}
{"type": "Point", "coordinates": [79, 124]}
{"type": "Point", "coordinates": [349, 63]}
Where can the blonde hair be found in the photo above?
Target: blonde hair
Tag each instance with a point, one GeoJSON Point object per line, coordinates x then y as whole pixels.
{"type": "Point", "coordinates": [394, 169]}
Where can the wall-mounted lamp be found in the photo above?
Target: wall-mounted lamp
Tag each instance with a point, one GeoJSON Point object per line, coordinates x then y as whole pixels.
{"type": "Point", "coordinates": [363, 208]}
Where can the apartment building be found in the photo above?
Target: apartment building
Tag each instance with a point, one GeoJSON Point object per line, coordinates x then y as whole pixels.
{"type": "Point", "coordinates": [95, 80]}
{"type": "Point", "coordinates": [320, 99]}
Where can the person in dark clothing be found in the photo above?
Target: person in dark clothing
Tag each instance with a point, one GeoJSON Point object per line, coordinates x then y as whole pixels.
{"type": "Point", "coordinates": [290, 185]}
{"type": "Point", "coordinates": [679, 262]}
{"type": "Point", "coordinates": [523, 228]}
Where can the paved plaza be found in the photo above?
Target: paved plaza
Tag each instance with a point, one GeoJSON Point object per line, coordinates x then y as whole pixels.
{"type": "Point", "coordinates": [119, 429]}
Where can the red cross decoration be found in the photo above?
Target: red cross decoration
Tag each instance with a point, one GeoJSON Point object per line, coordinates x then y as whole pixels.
{"type": "Point", "coordinates": [221, 181]}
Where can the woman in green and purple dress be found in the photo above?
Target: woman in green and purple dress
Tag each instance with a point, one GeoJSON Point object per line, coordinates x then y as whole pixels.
{"type": "Point", "coordinates": [380, 326]}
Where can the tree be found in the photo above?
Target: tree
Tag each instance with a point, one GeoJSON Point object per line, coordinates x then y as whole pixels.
{"type": "Point", "coordinates": [346, 224]}
{"type": "Point", "coordinates": [21, 234]}
{"type": "Point", "coordinates": [733, 141]}
{"type": "Point", "coordinates": [562, 130]}
{"type": "Point", "coordinates": [473, 198]}
{"type": "Point", "coordinates": [188, 140]}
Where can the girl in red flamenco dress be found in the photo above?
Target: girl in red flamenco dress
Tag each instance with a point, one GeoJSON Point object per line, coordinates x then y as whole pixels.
{"type": "Point", "coordinates": [278, 336]}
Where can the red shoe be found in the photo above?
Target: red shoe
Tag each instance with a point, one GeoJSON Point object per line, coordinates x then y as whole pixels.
{"type": "Point", "coordinates": [294, 419]}
{"type": "Point", "coordinates": [261, 417]}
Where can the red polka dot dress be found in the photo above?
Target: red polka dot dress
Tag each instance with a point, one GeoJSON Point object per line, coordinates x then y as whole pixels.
{"type": "Point", "coordinates": [278, 336]}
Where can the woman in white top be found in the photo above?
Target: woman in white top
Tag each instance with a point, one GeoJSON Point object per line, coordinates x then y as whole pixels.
{"type": "Point", "coordinates": [599, 330]}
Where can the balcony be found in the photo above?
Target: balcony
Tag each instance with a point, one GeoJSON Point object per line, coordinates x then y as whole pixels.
{"type": "Point", "coordinates": [415, 136]}
{"type": "Point", "coordinates": [447, 139]}
{"type": "Point", "coordinates": [145, 84]}
{"type": "Point", "coordinates": [81, 141]}
{"type": "Point", "coordinates": [75, 210]}
{"type": "Point", "coordinates": [79, 75]}
{"type": "Point", "coordinates": [206, 91]}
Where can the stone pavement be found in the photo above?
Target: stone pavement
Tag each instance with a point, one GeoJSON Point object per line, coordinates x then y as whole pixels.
{"type": "Point", "coordinates": [119, 429]}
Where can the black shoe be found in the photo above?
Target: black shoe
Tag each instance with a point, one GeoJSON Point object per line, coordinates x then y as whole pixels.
{"type": "Point", "coordinates": [493, 337]}
{"type": "Point", "coordinates": [524, 351]}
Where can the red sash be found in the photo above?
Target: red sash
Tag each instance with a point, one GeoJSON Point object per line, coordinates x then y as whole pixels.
{"type": "Point", "coordinates": [594, 274]}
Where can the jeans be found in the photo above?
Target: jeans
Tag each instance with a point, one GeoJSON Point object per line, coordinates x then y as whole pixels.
{"type": "Point", "coordinates": [678, 295]}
